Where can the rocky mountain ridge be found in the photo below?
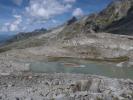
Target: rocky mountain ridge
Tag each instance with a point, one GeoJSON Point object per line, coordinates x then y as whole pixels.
{"type": "Point", "coordinates": [115, 18]}
{"type": "Point", "coordinates": [26, 35]}
{"type": "Point", "coordinates": [112, 19]}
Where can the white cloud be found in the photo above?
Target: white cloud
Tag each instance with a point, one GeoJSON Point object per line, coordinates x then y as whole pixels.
{"type": "Point", "coordinates": [4, 28]}
{"type": "Point", "coordinates": [54, 21]}
{"type": "Point", "coordinates": [38, 11]}
{"type": "Point", "coordinates": [78, 12]}
{"type": "Point", "coordinates": [17, 2]}
{"type": "Point", "coordinates": [69, 1]}
{"type": "Point", "coordinates": [12, 26]}
{"type": "Point", "coordinates": [46, 9]}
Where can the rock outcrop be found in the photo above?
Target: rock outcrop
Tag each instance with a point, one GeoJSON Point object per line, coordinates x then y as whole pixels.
{"type": "Point", "coordinates": [116, 18]}
{"type": "Point", "coordinates": [74, 19]}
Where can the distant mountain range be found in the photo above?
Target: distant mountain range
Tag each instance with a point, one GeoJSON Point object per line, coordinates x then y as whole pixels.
{"type": "Point", "coordinates": [4, 37]}
{"type": "Point", "coordinates": [25, 35]}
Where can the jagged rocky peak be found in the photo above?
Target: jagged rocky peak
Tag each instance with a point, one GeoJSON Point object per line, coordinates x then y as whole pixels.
{"type": "Point", "coordinates": [25, 35]}
{"type": "Point", "coordinates": [40, 30]}
{"type": "Point", "coordinates": [118, 8]}
{"type": "Point", "coordinates": [72, 20]}
{"type": "Point", "coordinates": [125, 24]}
{"type": "Point", "coordinates": [118, 12]}
{"type": "Point", "coordinates": [115, 11]}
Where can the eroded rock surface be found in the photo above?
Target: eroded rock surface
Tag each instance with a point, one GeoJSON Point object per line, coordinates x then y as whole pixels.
{"type": "Point", "coordinates": [64, 87]}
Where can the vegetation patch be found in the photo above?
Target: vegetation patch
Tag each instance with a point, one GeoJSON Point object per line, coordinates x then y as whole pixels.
{"type": "Point", "coordinates": [4, 49]}
{"type": "Point", "coordinates": [117, 59]}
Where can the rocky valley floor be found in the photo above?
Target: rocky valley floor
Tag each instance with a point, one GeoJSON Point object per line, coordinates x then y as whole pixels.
{"type": "Point", "coordinates": [29, 86]}
{"type": "Point", "coordinates": [17, 83]}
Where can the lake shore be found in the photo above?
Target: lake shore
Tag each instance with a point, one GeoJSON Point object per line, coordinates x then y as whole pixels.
{"type": "Point", "coordinates": [17, 83]}
{"type": "Point", "coordinates": [59, 86]}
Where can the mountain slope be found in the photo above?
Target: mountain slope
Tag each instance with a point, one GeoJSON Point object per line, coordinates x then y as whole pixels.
{"type": "Point", "coordinates": [116, 18]}
{"type": "Point", "coordinates": [123, 26]}
{"type": "Point", "coordinates": [26, 35]}
{"type": "Point", "coordinates": [27, 40]}
{"type": "Point", "coordinates": [115, 12]}
{"type": "Point", "coordinates": [85, 38]}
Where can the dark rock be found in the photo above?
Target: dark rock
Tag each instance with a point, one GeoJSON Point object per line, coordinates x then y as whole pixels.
{"type": "Point", "coordinates": [17, 98]}
{"type": "Point", "coordinates": [74, 19]}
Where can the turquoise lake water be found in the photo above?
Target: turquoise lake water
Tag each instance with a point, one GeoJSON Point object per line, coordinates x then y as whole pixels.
{"type": "Point", "coordinates": [82, 67]}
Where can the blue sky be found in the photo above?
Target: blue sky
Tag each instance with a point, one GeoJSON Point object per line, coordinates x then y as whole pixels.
{"type": "Point", "coordinates": [27, 15]}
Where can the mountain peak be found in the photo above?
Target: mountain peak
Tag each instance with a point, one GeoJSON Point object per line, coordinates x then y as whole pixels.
{"type": "Point", "coordinates": [72, 20]}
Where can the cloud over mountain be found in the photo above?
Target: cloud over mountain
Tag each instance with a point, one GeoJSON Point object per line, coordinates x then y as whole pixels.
{"type": "Point", "coordinates": [46, 9]}
{"type": "Point", "coordinates": [13, 25]}
{"type": "Point", "coordinates": [78, 12]}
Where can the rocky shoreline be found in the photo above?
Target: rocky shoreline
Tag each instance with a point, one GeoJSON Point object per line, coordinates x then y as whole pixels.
{"type": "Point", "coordinates": [59, 86]}
{"type": "Point", "coordinates": [17, 83]}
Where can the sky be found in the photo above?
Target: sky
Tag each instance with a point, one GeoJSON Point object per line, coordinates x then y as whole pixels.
{"type": "Point", "coordinates": [27, 15]}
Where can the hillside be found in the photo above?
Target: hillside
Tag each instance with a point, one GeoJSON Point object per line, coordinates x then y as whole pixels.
{"type": "Point", "coordinates": [87, 37]}
{"type": "Point", "coordinates": [26, 35]}
{"type": "Point", "coordinates": [116, 18]}
{"type": "Point", "coordinates": [123, 26]}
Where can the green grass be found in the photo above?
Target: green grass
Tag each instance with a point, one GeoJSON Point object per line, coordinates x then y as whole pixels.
{"type": "Point", "coordinates": [117, 59]}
